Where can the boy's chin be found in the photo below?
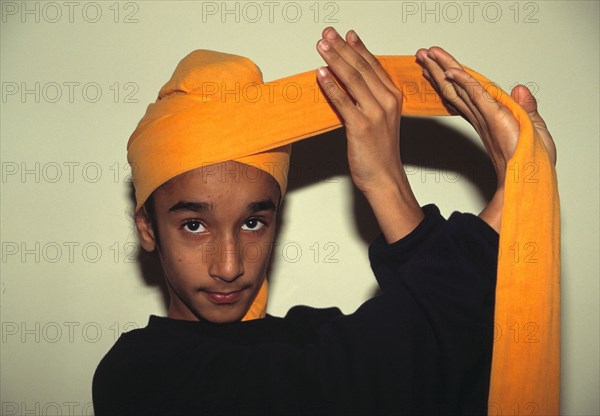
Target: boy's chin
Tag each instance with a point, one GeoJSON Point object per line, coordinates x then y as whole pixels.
{"type": "Point", "coordinates": [223, 316]}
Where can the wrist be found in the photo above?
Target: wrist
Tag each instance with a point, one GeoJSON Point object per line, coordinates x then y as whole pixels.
{"type": "Point", "coordinates": [492, 213]}
{"type": "Point", "coordinates": [395, 207]}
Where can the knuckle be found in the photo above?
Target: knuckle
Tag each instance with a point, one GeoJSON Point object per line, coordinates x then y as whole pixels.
{"type": "Point", "coordinates": [375, 64]}
{"type": "Point", "coordinates": [333, 58]}
{"type": "Point", "coordinates": [355, 76]}
{"type": "Point", "coordinates": [390, 103]}
{"type": "Point", "coordinates": [363, 66]}
{"type": "Point", "coordinates": [333, 93]}
{"type": "Point", "coordinates": [342, 46]}
{"type": "Point", "coordinates": [330, 88]}
{"type": "Point", "coordinates": [390, 106]}
{"type": "Point", "coordinates": [378, 116]}
{"type": "Point", "coordinates": [448, 91]}
{"type": "Point", "coordinates": [398, 96]}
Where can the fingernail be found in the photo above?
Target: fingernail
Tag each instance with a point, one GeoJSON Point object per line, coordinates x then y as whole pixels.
{"type": "Point", "coordinates": [324, 45]}
{"type": "Point", "coordinates": [331, 34]}
{"type": "Point", "coordinates": [322, 72]}
{"type": "Point", "coordinates": [431, 55]}
{"type": "Point", "coordinates": [353, 36]}
{"type": "Point", "coordinates": [449, 75]}
{"type": "Point", "coordinates": [421, 57]}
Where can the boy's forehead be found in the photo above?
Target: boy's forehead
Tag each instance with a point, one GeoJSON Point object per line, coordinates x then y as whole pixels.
{"type": "Point", "coordinates": [220, 178]}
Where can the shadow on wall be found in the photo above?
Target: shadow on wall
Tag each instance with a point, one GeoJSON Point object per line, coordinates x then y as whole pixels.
{"type": "Point", "coordinates": [425, 143]}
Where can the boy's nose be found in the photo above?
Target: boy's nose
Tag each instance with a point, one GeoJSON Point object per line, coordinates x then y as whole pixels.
{"type": "Point", "coordinates": [226, 263]}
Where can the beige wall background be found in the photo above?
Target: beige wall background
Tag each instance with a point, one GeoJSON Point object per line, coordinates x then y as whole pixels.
{"type": "Point", "coordinates": [76, 77]}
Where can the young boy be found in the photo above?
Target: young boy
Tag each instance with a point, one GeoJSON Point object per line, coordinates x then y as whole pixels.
{"type": "Point", "coordinates": [421, 347]}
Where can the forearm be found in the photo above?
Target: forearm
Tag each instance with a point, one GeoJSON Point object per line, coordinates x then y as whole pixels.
{"type": "Point", "coordinates": [370, 108]}
{"type": "Point", "coordinates": [395, 207]}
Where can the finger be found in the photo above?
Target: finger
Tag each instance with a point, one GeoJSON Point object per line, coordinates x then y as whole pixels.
{"type": "Point", "coordinates": [349, 77]}
{"type": "Point", "coordinates": [484, 106]}
{"type": "Point", "coordinates": [357, 44]}
{"type": "Point", "coordinates": [479, 99]}
{"type": "Point", "coordinates": [355, 73]}
{"type": "Point", "coordinates": [446, 62]}
{"type": "Point", "coordinates": [451, 108]}
{"type": "Point", "coordinates": [363, 64]}
{"type": "Point", "coordinates": [523, 96]}
{"type": "Point", "coordinates": [500, 126]}
{"type": "Point", "coordinates": [470, 87]}
{"type": "Point", "coordinates": [337, 97]}
{"type": "Point", "coordinates": [437, 77]}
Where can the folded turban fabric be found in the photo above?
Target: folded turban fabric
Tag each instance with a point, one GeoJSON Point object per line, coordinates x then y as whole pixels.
{"type": "Point", "coordinates": [216, 108]}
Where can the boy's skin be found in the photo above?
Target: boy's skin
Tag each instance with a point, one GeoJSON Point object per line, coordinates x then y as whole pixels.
{"type": "Point", "coordinates": [216, 232]}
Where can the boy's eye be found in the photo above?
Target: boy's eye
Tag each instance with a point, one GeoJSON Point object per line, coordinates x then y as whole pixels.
{"type": "Point", "coordinates": [253, 224]}
{"type": "Point", "coordinates": [193, 226]}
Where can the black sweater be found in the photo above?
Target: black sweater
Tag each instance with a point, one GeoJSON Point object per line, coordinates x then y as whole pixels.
{"type": "Point", "coordinates": [423, 346]}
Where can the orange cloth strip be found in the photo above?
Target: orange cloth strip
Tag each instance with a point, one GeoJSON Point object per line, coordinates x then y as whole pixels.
{"type": "Point", "coordinates": [234, 116]}
{"type": "Point", "coordinates": [526, 360]}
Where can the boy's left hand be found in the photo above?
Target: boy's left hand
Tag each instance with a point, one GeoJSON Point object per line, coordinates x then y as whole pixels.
{"type": "Point", "coordinates": [494, 123]}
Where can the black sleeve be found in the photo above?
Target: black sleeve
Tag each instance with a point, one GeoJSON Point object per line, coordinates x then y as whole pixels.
{"type": "Point", "coordinates": [424, 345]}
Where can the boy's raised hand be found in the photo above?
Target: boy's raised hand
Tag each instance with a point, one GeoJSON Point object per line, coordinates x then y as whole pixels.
{"type": "Point", "coordinates": [370, 110]}
{"type": "Point", "coordinates": [494, 123]}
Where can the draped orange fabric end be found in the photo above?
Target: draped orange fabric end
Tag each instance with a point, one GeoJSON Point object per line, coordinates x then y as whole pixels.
{"type": "Point", "coordinates": [526, 360]}
{"type": "Point", "coordinates": [216, 108]}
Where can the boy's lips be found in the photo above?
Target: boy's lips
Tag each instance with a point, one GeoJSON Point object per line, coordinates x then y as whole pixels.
{"type": "Point", "coordinates": [224, 297]}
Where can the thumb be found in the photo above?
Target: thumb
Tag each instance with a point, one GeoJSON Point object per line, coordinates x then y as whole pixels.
{"type": "Point", "coordinates": [523, 96]}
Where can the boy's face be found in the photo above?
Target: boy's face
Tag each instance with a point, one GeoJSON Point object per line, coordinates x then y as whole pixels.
{"type": "Point", "coordinates": [215, 227]}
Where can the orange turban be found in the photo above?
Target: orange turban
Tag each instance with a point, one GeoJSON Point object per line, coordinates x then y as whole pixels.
{"type": "Point", "coordinates": [216, 108]}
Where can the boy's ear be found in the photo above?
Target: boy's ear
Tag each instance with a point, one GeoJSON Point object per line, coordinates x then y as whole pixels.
{"type": "Point", "coordinates": [145, 231]}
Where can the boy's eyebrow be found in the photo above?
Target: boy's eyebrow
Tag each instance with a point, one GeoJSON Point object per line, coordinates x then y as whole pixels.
{"type": "Point", "coordinates": [266, 205]}
{"type": "Point", "coordinates": [190, 206]}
